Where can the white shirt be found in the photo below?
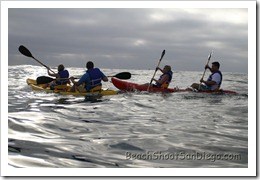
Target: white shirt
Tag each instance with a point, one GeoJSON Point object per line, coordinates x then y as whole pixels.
{"type": "Point", "coordinates": [217, 78]}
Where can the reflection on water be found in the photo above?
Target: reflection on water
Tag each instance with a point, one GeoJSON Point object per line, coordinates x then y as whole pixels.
{"type": "Point", "coordinates": [129, 129]}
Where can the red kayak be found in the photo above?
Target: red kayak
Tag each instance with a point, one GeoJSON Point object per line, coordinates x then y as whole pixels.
{"type": "Point", "coordinates": [130, 86]}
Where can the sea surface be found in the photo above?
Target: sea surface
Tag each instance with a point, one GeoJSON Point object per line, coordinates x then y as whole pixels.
{"type": "Point", "coordinates": [178, 130]}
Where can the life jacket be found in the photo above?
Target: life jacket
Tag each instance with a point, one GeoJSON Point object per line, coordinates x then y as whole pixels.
{"type": "Point", "coordinates": [210, 78]}
{"type": "Point", "coordinates": [63, 74]}
{"type": "Point", "coordinates": [95, 78]}
{"type": "Point", "coordinates": [165, 84]}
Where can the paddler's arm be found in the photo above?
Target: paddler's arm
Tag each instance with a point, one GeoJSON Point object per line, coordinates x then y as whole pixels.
{"type": "Point", "coordinates": [73, 81]}
{"type": "Point", "coordinates": [164, 79]}
{"type": "Point", "coordinates": [159, 69]}
{"type": "Point", "coordinates": [207, 67]}
{"type": "Point", "coordinates": [208, 83]}
{"type": "Point", "coordinates": [84, 79]}
{"type": "Point", "coordinates": [104, 78]}
{"type": "Point", "coordinates": [52, 74]}
{"type": "Point", "coordinates": [155, 80]}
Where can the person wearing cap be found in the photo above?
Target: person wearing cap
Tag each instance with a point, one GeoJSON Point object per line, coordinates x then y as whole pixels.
{"type": "Point", "coordinates": [214, 81]}
{"type": "Point", "coordinates": [165, 78]}
{"type": "Point", "coordinates": [91, 79]}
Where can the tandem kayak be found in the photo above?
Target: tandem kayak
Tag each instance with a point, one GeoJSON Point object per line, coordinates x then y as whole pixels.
{"type": "Point", "coordinates": [130, 86]}
{"type": "Point", "coordinates": [64, 90]}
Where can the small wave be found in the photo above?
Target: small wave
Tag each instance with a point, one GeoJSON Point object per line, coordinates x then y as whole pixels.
{"type": "Point", "coordinates": [125, 146]}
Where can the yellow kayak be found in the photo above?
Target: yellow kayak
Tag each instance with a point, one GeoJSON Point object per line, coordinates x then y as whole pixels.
{"type": "Point", "coordinates": [64, 90]}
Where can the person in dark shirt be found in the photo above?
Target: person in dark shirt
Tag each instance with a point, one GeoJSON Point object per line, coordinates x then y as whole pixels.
{"type": "Point", "coordinates": [91, 79]}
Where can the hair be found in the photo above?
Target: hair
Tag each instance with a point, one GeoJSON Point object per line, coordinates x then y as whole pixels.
{"type": "Point", "coordinates": [168, 67]}
{"type": "Point", "coordinates": [90, 65]}
{"type": "Point", "coordinates": [60, 67]}
{"type": "Point", "coordinates": [216, 64]}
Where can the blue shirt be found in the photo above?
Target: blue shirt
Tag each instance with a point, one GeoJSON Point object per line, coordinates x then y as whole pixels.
{"type": "Point", "coordinates": [63, 74]}
{"type": "Point", "coordinates": [84, 79]}
{"type": "Point", "coordinates": [92, 78]}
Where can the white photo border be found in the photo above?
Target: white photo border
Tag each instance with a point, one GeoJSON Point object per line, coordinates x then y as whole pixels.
{"type": "Point", "coordinates": [7, 170]}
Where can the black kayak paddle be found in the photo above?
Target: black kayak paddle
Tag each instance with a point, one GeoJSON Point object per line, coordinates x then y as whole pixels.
{"type": "Point", "coordinates": [209, 57]}
{"type": "Point", "coordinates": [163, 53]}
{"type": "Point", "coordinates": [46, 79]}
{"type": "Point", "coordinates": [23, 50]}
{"type": "Point", "coordinates": [122, 75]}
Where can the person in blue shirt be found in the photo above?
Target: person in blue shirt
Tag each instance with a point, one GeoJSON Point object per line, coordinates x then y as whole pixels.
{"type": "Point", "coordinates": [91, 79]}
{"type": "Point", "coordinates": [62, 77]}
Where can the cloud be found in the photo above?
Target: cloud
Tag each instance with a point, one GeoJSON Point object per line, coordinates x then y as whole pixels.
{"type": "Point", "coordinates": [130, 38]}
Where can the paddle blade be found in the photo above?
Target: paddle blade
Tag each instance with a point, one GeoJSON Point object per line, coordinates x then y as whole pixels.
{"type": "Point", "coordinates": [44, 80]}
{"type": "Point", "coordinates": [210, 55]}
{"type": "Point", "coordinates": [123, 75]}
{"type": "Point", "coordinates": [25, 51]}
{"type": "Point", "coordinates": [162, 54]}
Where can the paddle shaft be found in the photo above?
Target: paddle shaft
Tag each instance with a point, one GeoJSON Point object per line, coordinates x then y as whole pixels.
{"type": "Point", "coordinates": [122, 75]}
{"type": "Point", "coordinates": [206, 69]}
{"type": "Point", "coordinates": [156, 69]}
{"type": "Point", "coordinates": [155, 72]}
{"type": "Point", "coordinates": [43, 65]}
{"type": "Point", "coordinates": [23, 50]}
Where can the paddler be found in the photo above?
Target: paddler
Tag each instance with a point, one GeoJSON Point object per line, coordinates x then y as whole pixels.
{"type": "Point", "coordinates": [165, 78]}
{"type": "Point", "coordinates": [62, 77]}
{"type": "Point", "coordinates": [214, 81]}
{"type": "Point", "coordinates": [91, 79]}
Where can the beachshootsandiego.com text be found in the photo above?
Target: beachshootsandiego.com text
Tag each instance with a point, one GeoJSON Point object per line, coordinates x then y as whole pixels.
{"type": "Point", "coordinates": [199, 156]}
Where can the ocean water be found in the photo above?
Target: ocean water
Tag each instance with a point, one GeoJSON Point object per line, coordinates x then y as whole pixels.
{"type": "Point", "coordinates": [178, 130]}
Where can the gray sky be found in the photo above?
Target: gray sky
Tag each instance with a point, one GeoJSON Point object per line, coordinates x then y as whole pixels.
{"type": "Point", "coordinates": [130, 38]}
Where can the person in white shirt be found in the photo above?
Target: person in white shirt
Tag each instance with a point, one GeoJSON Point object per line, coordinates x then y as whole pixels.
{"type": "Point", "coordinates": [214, 81]}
